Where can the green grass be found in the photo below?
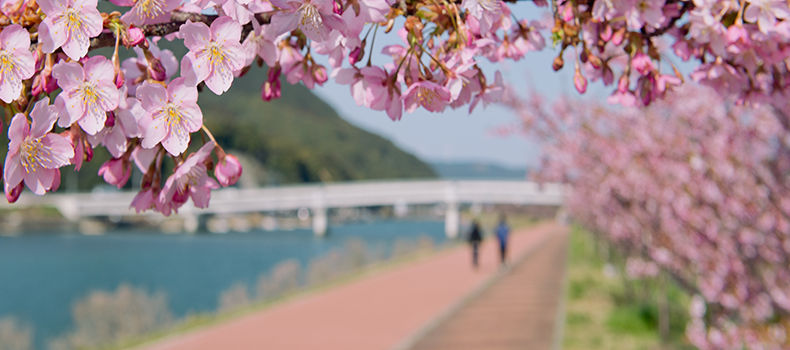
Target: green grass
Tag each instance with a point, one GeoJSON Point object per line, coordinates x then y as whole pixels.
{"type": "Point", "coordinates": [614, 312]}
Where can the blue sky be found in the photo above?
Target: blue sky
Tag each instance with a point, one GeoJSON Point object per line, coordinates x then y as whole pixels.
{"type": "Point", "coordinates": [456, 135]}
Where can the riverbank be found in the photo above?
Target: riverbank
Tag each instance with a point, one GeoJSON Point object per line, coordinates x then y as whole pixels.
{"type": "Point", "coordinates": [376, 312]}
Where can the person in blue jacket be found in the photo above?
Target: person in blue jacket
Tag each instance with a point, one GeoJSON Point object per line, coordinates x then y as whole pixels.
{"type": "Point", "coordinates": [502, 232]}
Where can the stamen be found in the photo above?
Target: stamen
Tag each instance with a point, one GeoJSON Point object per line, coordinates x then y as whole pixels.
{"type": "Point", "coordinates": [310, 18]}
{"type": "Point", "coordinates": [149, 8]}
{"type": "Point", "coordinates": [32, 153]}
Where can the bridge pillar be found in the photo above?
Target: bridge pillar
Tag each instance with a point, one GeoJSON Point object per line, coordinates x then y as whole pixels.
{"type": "Point", "coordinates": [320, 221]}
{"type": "Point", "coordinates": [191, 223]}
{"type": "Point", "coordinates": [452, 220]}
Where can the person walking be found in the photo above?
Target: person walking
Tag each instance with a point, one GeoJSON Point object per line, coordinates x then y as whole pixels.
{"type": "Point", "coordinates": [502, 232]}
{"type": "Point", "coordinates": [474, 239]}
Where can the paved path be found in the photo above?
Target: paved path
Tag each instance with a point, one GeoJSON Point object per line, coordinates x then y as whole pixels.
{"type": "Point", "coordinates": [517, 312]}
{"type": "Point", "coordinates": [380, 312]}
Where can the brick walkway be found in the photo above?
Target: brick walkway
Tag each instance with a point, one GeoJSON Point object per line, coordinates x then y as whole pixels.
{"type": "Point", "coordinates": [517, 312]}
{"type": "Point", "coordinates": [382, 312]}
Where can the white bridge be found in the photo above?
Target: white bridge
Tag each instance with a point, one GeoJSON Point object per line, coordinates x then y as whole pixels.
{"type": "Point", "coordinates": [318, 198]}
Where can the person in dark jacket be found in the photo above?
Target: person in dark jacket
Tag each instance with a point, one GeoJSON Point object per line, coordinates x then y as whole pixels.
{"type": "Point", "coordinates": [475, 237]}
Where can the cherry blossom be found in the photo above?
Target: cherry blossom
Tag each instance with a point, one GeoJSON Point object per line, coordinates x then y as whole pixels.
{"type": "Point", "coordinates": [88, 93]}
{"type": "Point", "coordinates": [170, 115]}
{"type": "Point", "coordinates": [69, 25]}
{"type": "Point", "coordinates": [429, 95]}
{"type": "Point", "coordinates": [214, 54]}
{"type": "Point", "coordinates": [315, 18]}
{"type": "Point", "coordinates": [16, 62]}
{"type": "Point", "coordinates": [228, 170]}
{"type": "Point", "coordinates": [147, 11]}
{"type": "Point", "coordinates": [35, 154]}
{"type": "Point", "coordinates": [191, 180]}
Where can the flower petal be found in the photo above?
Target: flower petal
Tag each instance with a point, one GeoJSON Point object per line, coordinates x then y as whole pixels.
{"type": "Point", "coordinates": [154, 96]}
{"type": "Point", "coordinates": [98, 68]}
{"type": "Point", "coordinates": [68, 75]}
{"type": "Point", "coordinates": [225, 30]}
{"type": "Point", "coordinates": [179, 93]}
{"type": "Point", "coordinates": [195, 35]}
{"type": "Point", "coordinates": [44, 117]}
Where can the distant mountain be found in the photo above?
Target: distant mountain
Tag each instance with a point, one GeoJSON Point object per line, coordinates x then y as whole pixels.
{"type": "Point", "coordinates": [477, 171]}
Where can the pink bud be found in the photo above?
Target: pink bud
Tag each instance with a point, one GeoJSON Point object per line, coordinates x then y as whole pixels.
{"type": "Point", "coordinates": [270, 90]}
{"type": "Point", "coordinates": [228, 170]}
{"type": "Point", "coordinates": [642, 63]}
{"type": "Point", "coordinates": [116, 172]}
{"type": "Point", "coordinates": [11, 195]}
{"type": "Point", "coordinates": [622, 85]}
{"type": "Point", "coordinates": [134, 36]}
{"type": "Point", "coordinates": [319, 74]}
{"type": "Point", "coordinates": [357, 54]}
{"type": "Point", "coordinates": [618, 36]}
{"type": "Point", "coordinates": [120, 79]}
{"type": "Point", "coordinates": [337, 8]}
{"type": "Point", "coordinates": [156, 70]}
{"type": "Point", "coordinates": [606, 33]}
{"type": "Point", "coordinates": [580, 81]}
{"type": "Point", "coordinates": [110, 121]}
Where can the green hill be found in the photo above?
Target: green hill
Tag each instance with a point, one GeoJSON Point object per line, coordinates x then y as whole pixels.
{"type": "Point", "coordinates": [300, 137]}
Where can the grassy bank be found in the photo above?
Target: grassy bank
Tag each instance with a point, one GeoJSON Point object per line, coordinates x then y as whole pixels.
{"type": "Point", "coordinates": [607, 310]}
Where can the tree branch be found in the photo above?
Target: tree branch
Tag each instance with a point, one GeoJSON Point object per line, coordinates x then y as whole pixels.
{"type": "Point", "coordinates": [107, 38]}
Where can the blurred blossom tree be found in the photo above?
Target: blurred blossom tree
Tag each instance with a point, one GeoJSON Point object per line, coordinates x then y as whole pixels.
{"type": "Point", "coordinates": [692, 184]}
{"type": "Point", "coordinates": [14, 336]}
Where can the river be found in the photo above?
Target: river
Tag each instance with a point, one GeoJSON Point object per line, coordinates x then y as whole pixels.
{"type": "Point", "coordinates": [41, 276]}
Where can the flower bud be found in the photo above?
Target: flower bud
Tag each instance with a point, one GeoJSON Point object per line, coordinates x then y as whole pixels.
{"type": "Point", "coordinates": [110, 121]}
{"type": "Point", "coordinates": [270, 90]}
{"type": "Point", "coordinates": [558, 63]}
{"type": "Point", "coordinates": [120, 79]}
{"type": "Point", "coordinates": [357, 54]}
{"type": "Point", "coordinates": [116, 172]}
{"type": "Point", "coordinates": [156, 70]}
{"type": "Point", "coordinates": [319, 74]}
{"type": "Point", "coordinates": [580, 81]}
{"type": "Point", "coordinates": [11, 195]}
{"type": "Point", "coordinates": [134, 36]}
{"type": "Point", "coordinates": [595, 61]}
{"type": "Point", "coordinates": [618, 36]}
{"type": "Point", "coordinates": [228, 170]}
{"type": "Point", "coordinates": [336, 8]}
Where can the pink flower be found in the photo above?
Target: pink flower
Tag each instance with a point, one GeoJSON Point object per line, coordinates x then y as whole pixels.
{"type": "Point", "coordinates": [16, 61]}
{"type": "Point", "coordinates": [214, 54]}
{"type": "Point", "coordinates": [765, 13]}
{"type": "Point", "coordinates": [136, 69]}
{"type": "Point", "coordinates": [116, 171]}
{"type": "Point", "coordinates": [191, 179]}
{"type": "Point", "coordinates": [490, 94]}
{"type": "Point", "coordinates": [487, 12]}
{"type": "Point", "coordinates": [171, 115]}
{"type": "Point", "coordinates": [34, 154]}
{"type": "Point", "coordinates": [69, 24]}
{"type": "Point", "coordinates": [115, 136]}
{"type": "Point", "coordinates": [316, 18]}
{"type": "Point", "coordinates": [642, 63]}
{"type": "Point", "coordinates": [353, 77]}
{"type": "Point", "coordinates": [645, 13]}
{"type": "Point", "coordinates": [88, 93]}
{"type": "Point", "coordinates": [428, 94]}
{"type": "Point", "coordinates": [360, 12]}
{"type": "Point", "coordinates": [228, 170]}
{"type": "Point", "coordinates": [148, 11]}
{"type": "Point", "coordinates": [261, 43]}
